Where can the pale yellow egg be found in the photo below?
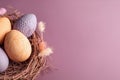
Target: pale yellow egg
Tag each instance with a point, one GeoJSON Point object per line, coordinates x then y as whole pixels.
{"type": "Point", "coordinates": [5, 27]}
{"type": "Point", "coordinates": [17, 46]}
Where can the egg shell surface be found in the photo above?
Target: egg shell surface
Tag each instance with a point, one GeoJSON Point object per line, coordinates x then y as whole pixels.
{"type": "Point", "coordinates": [5, 27]}
{"type": "Point", "coordinates": [4, 61]}
{"type": "Point", "coordinates": [26, 24]}
{"type": "Point", "coordinates": [17, 46]}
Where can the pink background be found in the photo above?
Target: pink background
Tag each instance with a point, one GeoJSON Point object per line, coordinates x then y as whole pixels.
{"type": "Point", "coordinates": [85, 35]}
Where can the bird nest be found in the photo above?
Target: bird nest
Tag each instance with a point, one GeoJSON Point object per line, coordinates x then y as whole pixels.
{"type": "Point", "coordinates": [29, 69]}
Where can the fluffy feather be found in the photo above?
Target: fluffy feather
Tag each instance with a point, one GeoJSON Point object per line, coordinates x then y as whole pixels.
{"type": "Point", "coordinates": [46, 52]}
{"type": "Point", "coordinates": [41, 26]}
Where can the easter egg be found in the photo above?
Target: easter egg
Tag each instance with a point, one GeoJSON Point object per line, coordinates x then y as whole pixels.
{"type": "Point", "coordinates": [4, 61]}
{"type": "Point", "coordinates": [5, 27]}
{"type": "Point", "coordinates": [2, 11]}
{"type": "Point", "coordinates": [17, 46]}
{"type": "Point", "coordinates": [42, 45]}
{"type": "Point", "coordinates": [26, 24]}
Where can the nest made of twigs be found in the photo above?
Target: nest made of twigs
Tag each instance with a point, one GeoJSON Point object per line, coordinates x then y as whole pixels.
{"type": "Point", "coordinates": [29, 69]}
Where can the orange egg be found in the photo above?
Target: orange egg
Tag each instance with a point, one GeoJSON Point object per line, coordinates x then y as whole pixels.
{"type": "Point", "coordinates": [5, 27]}
{"type": "Point", "coordinates": [17, 46]}
{"type": "Point", "coordinates": [42, 45]}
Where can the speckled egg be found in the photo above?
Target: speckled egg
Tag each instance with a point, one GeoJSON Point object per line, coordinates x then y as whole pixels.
{"type": "Point", "coordinates": [17, 46]}
{"type": "Point", "coordinates": [26, 24]}
{"type": "Point", "coordinates": [4, 61]}
{"type": "Point", "coordinates": [5, 27]}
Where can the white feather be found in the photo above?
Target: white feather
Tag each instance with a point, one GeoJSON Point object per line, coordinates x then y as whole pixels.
{"type": "Point", "coordinates": [46, 52]}
{"type": "Point", "coordinates": [41, 26]}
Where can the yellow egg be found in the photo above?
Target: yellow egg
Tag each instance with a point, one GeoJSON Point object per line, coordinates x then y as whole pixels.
{"type": "Point", "coordinates": [17, 46]}
{"type": "Point", "coordinates": [5, 27]}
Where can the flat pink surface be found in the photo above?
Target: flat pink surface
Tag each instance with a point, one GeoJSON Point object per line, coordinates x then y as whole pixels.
{"type": "Point", "coordinates": [85, 35]}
